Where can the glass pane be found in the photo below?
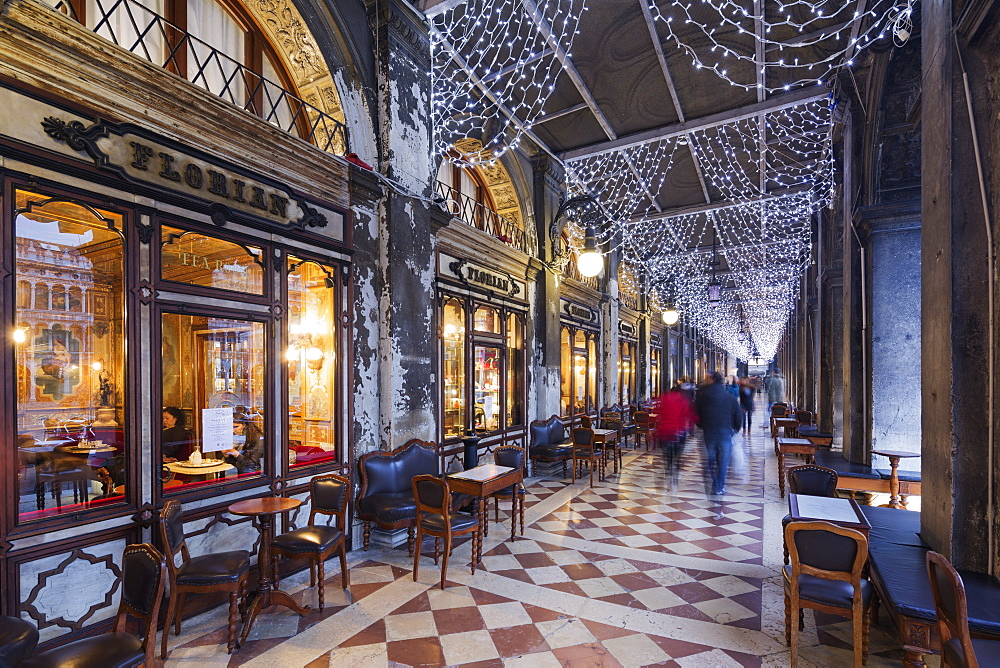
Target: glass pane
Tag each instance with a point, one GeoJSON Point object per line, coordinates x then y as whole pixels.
{"type": "Point", "coordinates": [217, 73]}
{"type": "Point", "coordinates": [487, 320]}
{"type": "Point", "coordinates": [213, 372]}
{"type": "Point", "coordinates": [515, 371]}
{"type": "Point", "coordinates": [581, 340]}
{"type": "Point", "coordinates": [580, 380]}
{"type": "Point", "coordinates": [453, 341]}
{"type": "Point", "coordinates": [486, 361]}
{"type": "Point", "coordinates": [592, 372]}
{"type": "Point", "coordinates": [312, 363]}
{"type": "Point", "coordinates": [70, 362]}
{"type": "Point", "coordinates": [654, 372]}
{"type": "Point", "coordinates": [566, 368]}
{"type": "Point", "coordinates": [197, 259]}
{"type": "Point", "coordinates": [132, 26]}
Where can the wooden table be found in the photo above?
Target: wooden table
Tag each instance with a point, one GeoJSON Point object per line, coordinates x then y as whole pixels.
{"type": "Point", "coordinates": [481, 481]}
{"type": "Point", "coordinates": [792, 446]}
{"type": "Point", "coordinates": [842, 512]}
{"type": "Point", "coordinates": [219, 467]}
{"type": "Point", "coordinates": [264, 596]}
{"type": "Point", "coordinates": [607, 436]}
{"type": "Point", "coordinates": [894, 457]}
{"type": "Point", "coordinates": [782, 423]}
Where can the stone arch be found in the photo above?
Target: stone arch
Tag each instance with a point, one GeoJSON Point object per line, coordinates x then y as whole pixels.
{"type": "Point", "coordinates": [495, 176]}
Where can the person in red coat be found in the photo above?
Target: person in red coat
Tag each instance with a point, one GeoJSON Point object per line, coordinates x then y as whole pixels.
{"type": "Point", "coordinates": [675, 418]}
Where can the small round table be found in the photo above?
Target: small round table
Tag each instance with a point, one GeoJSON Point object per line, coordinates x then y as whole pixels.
{"type": "Point", "coordinates": [894, 457]}
{"type": "Point", "coordinates": [264, 596]}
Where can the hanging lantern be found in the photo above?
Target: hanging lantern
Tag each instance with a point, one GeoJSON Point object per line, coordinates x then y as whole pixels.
{"type": "Point", "coordinates": [670, 315]}
{"type": "Point", "coordinates": [714, 293]}
{"type": "Point", "coordinates": [591, 262]}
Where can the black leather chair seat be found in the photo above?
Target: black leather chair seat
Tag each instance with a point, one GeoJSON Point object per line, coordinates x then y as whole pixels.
{"type": "Point", "coordinates": [108, 650]}
{"type": "Point", "coordinates": [308, 539]}
{"type": "Point", "coordinates": [17, 640]}
{"type": "Point", "coordinates": [389, 506]}
{"type": "Point", "coordinates": [435, 522]}
{"type": "Point", "coordinates": [216, 567]}
{"type": "Point", "coordinates": [835, 460]}
{"type": "Point", "coordinates": [830, 592]}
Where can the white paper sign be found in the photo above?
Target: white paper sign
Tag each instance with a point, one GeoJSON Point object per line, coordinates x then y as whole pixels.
{"type": "Point", "coordinates": [488, 407]}
{"type": "Point", "coordinates": [216, 429]}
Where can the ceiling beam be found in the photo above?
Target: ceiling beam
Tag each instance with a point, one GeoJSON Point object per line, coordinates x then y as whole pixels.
{"type": "Point", "coordinates": [668, 77]}
{"type": "Point", "coordinates": [776, 103]}
{"type": "Point", "coordinates": [716, 206]}
{"type": "Point", "coordinates": [559, 114]}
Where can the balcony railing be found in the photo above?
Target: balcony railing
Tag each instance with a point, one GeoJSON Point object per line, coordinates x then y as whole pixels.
{"type": "Point", "coordinates": [571, 270]}
{"type": "Point", "coordinates": [629, 300]}
{"type": "Point", "coordinates": [483, 218]}
{"type": "Point", "coordinates": [148, 35]}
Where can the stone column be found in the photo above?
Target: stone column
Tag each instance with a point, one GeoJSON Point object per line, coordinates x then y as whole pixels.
{"type": "Point", "coordinates": [894, 243]}
{"type": "Point", "coordinates": [958, 515]}
{"type": "Point", "coordinates": [407, 345]}
{"type": "Point", "coordinates": [609, 332]}
{"type": "Point", "coordinates": [547, 360]}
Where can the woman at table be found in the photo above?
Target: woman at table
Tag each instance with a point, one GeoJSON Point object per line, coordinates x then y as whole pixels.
{"type": "Point", "coordinates": [175, 440]}
{"type": "Point", "coordinates": [248, 445]}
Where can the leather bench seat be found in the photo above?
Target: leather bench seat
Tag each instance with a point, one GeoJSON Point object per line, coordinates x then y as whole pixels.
{"type": "Point", "coordinates": [17, 640]}
{"type": "Point", "coordinates": [549, 441]}
{"type": "Point", "coordinates": [108, 650]}
{"type": "Point", "coordinates": [390, 506]}
{"type": "Point", "coordinates": [836, 461]}
{"type": "Point", "coordinates": [904, 476]}
{"type": "Point", "coordinates": [889, 525]}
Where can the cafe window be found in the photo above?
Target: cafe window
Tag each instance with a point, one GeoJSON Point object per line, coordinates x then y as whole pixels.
{"type": "Point", "coordinates": [627, 363]}
{"type": "Point", "coordinates": [202, 260]}
{"type": "Point", "coordinates": [655, 380]}
{"type": "Point", "coordinates": [482, 367]}
{"type": "Point", "coordinates": [213, 371]}
{"type": "Point", "coordinates": [69, 364]}
{"type": "Point", "coordinates": [579, 371]}
{"type": "Point", "coordinates": [311, 362]}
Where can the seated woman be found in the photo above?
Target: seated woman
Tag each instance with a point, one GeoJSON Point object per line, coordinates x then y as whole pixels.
{"type": "Point", "coordinates": [248, 450]}
{"type": "Point", "coordinates": [175, 440]}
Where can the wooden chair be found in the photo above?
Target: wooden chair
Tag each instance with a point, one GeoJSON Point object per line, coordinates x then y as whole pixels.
{"type": "Point", "coordinates": [613, 448]}
{"type": "Point", "coordinates": [585, 450]}
{"type": "Point", "coordinates": [958, 648]}
{"type": "Point", "coordinates": [317, 542]}
{"type": "Point", "coordinates": [219, 571]}
{"type": "Point", "coordinates": [804, 417]}
{"type": "Point", "coordinates": [512, 456]}
{"type": "Point", "coordinates": [434, 518]}
{"type": "Point", "coordinates": [812, 480]}
{"type": "Point", "coordinates": [643, 429]}
{"type": "Point", "coordinates": [143, 575]}
{"type": "Point", "coordinates": [825, 575]}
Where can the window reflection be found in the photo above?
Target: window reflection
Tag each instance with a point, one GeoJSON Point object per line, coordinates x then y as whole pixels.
{"type": "Point", "coordinates": [213, 379]}
{"type": "Point", "coordinates": [515, 370]}
{"type": "Point", "coordinates": [69, 356]}
{"type": "Point", "coordinates": [453, 341]}
{"type": "Point", "coordinates": [197, 259]}
{"type": "Point", "coordinates": [579, 371]}
{"type": "Point", "coordinates": [487, 387]}
{"type": "Point", "coordinates": [311, 360]}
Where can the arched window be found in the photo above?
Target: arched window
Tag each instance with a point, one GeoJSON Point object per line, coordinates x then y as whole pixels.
{"type": "Point", "coordinates": [41, 297]}
{"type": "Point", "coordinates": [23, 294]}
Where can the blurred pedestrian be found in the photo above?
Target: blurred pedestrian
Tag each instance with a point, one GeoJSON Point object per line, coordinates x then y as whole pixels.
{"type": "Point", "coordinates": [720, 416]}
{"type": "Point", "coordinates": [746, 403]}
{"type": "Point", "coordinates": [775, 390]}
{"type": "Point", "coordinates": [674, 419]}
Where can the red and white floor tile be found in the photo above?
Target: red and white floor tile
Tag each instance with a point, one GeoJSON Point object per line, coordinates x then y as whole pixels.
{"type": "Point", "coordinates": [631, 572]}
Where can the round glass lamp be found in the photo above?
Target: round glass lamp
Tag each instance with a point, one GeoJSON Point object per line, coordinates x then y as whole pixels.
{"type": "Point", "coordinates": [591, 262]}
{"type": "Point", "coordinates": [671, 316]}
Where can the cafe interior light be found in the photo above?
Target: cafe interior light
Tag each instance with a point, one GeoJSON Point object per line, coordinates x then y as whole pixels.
{"type": "Point", "coordinates": [591, 262]}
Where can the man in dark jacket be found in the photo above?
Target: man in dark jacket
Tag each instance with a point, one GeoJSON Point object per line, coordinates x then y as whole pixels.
{"type": "Point", "coordinates": [719, 416]}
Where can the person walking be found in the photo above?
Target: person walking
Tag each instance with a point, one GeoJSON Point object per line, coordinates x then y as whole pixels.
{"type": "Point", "coordinates": [720, 416]}
{"type": "Point", "coordinates": [746, 403]}
{"type": "Point", "coordinates": [674, 419]}
{"type": "Point", "coordinates": [775, 390]}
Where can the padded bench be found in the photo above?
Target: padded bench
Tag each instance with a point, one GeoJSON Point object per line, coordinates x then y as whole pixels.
{"type": "Point", "coordinates": [899, 573]}
{"type": "Point", "coordinates": [386, 495]}
{"type": "Point", "coordinates": [818, 438]}
{"type": "Point", "coordinates": [549, 442]}
{"type": "Point", "coordinates": [861, 478]}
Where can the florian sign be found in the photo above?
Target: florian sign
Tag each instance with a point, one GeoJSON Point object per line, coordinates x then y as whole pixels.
{"type": "Point", "coordinates": [483, 278]}
{"type": "Point", "coordinates": [626, 328]}
{"type": "Point", "coordinates": [578, 312]}
{"type": "Point", "coordinates": [138, 156]}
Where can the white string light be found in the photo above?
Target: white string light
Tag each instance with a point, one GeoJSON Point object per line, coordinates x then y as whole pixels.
{"type": "Point", "coordinates": [802, 42]}
{"type": "Point", "coordinates": [489, 54]}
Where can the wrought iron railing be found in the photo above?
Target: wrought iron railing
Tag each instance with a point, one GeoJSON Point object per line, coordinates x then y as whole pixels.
{"type": "Point", "coordinates": [571, 270]}
{"type": "Point", "coordinates": [148, 35]}
{"type": "Point", "coordinates": [629, 300]}
{"type": "Point", "coordinates": [474, 213]}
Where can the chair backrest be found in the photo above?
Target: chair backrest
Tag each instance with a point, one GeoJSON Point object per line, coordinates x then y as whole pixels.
{"type": "Point", "coordinates": [615, 424]}
{"type": "Point", "coordinates": [539, 432]}
{"type": "Point", "coordinates": [952, 613]}
{"type": "Point", "coordinates": [778, 410]}
{"type": "Point", "coordinates": [328, 496]}
{"type": "Point", "coordinates": [509, 455]}
{"type": "Point", "coordinates": [804, 417]}
{"type": "Point", "coordinates": [144, 572]}
{"type": "Point", "coordinates": [172, 533]}
{"type": "Point", "coordinates": [582, 436]}
{"type": "Point", "coordinates": [826, 551]}
{"type": "Point", "coordinates": [557, 430]}
{"type": "Point", "coordinates": [641, 418]}
{"type": "Point", "coordinates": [812, 480]}
{"type": "Point", "coordinates": [383, 472]}
{"type": "Point", "coordinates": [432, 495]}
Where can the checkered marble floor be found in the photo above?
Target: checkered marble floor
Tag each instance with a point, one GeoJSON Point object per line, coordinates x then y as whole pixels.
{"type": "Point", "coordinates": [635, 571]}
